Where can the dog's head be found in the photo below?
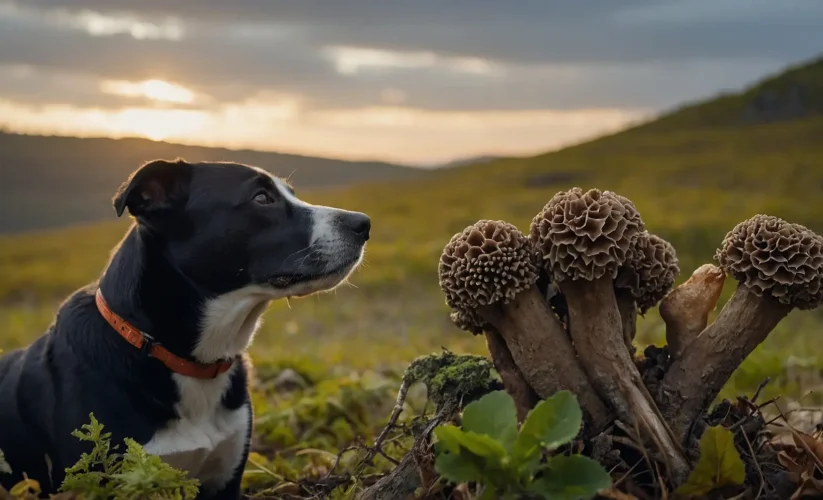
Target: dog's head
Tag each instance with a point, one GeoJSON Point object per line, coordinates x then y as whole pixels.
{"type": "Point", "coordinates": [228, 226]}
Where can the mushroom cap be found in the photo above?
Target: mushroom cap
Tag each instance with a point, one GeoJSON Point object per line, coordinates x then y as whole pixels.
{"type": "Point", "coordinates": [489, 262]}
{"type": "Point", "coordinates": [467, 320]}
{"type": "Point", "coordinates": [775, 258]}
{"type": "Point", "coordinates": [651, 271]}
{"type": "Point", "coordinates": [585, 235]}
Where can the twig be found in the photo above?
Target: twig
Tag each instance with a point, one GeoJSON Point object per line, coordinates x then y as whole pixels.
{"type": "Point", "coordinates": [664, 493]}
{"type": "Point", "coordinates": [773, 400]}
{"type": "Point", "coordinates": [632, 441]}
{"type": "Point", "coordinates": [395, 414]}
{"type": "Point", "coordinates": [627, 474]}
{"type": "Point", "coordinates": [339, 456]}
{"type": "Point", "coordinates": [760, 388]}
{"type": "Point", "coordinates": [756, 463]}
{"type": "Point", "coordinates": [266, 470]}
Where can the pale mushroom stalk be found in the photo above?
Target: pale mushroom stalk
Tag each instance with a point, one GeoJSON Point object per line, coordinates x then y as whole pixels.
{"type": "Point", "coordinates": [686, 309]}
{"type": "Point", "coordinates": [585, 238]}
{"type": "Point", "coordinates": [628, 317]}
{"type": "Point", "coordinates": [540, 347]}
{"type": "Point", "coordinates": [488, 274]}
{"type": "Point", "coordinates": [779, 267]}
{"type": "Point", "coordinates": [513, 380]}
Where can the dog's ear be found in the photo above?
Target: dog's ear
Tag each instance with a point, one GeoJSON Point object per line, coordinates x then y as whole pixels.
{"type": "Point", "coordinates": [155, 185]}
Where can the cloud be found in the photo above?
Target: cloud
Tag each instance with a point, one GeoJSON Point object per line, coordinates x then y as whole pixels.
{"type": "Point", "coordinates": [522, 31]}
{"type": "Point", "coordinates": [280, 123]}
{"type": "Point", "coordinates": [343, 77]}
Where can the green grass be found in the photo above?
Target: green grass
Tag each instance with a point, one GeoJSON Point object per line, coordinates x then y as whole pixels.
{"type": "Point", "coordinates": [691, 184]}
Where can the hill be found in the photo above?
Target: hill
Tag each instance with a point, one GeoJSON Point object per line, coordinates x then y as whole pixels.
{"type": "Point", "coordinates": [48, 181]}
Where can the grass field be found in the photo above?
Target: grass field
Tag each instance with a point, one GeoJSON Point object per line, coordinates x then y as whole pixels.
{"type": "Point", "coordinates": [691, 184]}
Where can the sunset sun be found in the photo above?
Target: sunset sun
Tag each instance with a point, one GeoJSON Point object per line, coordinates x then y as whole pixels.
{"type": "Point", "coordinates": [156, 90]}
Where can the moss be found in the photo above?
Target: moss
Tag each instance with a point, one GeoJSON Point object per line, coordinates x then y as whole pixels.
{"type": "Point", "coordinates": [449, 377]}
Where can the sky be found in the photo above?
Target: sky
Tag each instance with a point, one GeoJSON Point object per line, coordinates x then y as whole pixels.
{"type": "Point", "coordinates": [413, 81]}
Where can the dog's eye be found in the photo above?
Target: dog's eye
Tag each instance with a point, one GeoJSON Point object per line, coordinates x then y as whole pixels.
{"type": "Point", "coordinates": [262, 198]}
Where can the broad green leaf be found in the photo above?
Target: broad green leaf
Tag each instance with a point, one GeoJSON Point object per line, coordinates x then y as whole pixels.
{"type": "Point", "coordinates": [571, 478]}
{"type": "Point", "coordinates": [454, 438]}
{"type": "Point", "coordinates": [719, 464]}
{"type": "Point", "coordinates": [447, 437]}
{"type": "Point", "coordinates": [458, 468]}
{"type": "Point", "coordinates": [551, 423]}
{"type": "Point", "coordinates": [493, 415]}
{"type": "Point", "coordinates": [489, 493]}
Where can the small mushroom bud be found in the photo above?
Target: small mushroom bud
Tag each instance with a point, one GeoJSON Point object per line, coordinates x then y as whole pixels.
{"type": "Point", "coordinates": [644, 280]}
{"type": "Point", "coordinates": [779, 266]}
{"type": "Point", "coordinates": [584, 239]}
{"type": "Point", "coordinates": [686, 309]}
{"type": "Point", "coordinates": [488, 275]}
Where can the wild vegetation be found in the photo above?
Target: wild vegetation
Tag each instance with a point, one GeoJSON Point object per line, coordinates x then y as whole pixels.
{"type": "Point", "coordinates": [321, 402]}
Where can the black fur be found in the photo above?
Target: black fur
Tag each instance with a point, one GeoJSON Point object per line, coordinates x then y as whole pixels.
{"type": "Point", "coordinates": [201, 231]}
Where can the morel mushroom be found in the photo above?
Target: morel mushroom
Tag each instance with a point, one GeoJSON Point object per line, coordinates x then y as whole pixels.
{"type": "Point", "coordinates": [644, 280]}
{"type": "Point", "coordinates": [779, 266]}
{"type": "Point", "coordinates": [584, 239]}
{"type": "Point", "coordinates": [488, 275]}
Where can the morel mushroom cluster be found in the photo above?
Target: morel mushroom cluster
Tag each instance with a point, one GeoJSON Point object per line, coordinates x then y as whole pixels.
{"type": "Point", "coordinates": [593, 252]}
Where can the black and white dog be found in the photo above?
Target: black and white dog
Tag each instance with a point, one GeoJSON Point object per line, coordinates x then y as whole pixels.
{"type": "Point", "coordinates": [155, 348]}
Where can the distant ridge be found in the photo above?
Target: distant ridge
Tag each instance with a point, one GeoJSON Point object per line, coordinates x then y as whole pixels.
{"type": "Point", "coordinates": [51, 181]}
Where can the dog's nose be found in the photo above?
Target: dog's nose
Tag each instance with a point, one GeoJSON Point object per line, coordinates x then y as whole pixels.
{"type": "Point", "coordinates": [359, 224]}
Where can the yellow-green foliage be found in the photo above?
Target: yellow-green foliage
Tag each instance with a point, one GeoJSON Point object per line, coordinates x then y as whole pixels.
{"type": "Point", "coordinates": [104, 473]}
{"type": "Point", "coordinates": [108, 473]}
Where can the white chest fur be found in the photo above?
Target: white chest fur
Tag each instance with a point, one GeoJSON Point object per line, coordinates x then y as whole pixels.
{"type": "Point", "coordinates": [207, 440]}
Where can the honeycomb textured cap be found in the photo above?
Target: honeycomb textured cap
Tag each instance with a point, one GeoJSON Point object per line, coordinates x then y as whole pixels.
{"type": "Point", "coordinates": [651, 272]}
{"type": "Point", "coordinates": [776, 258]}
{"type": "Point", "coordinates": [585, 235]}
{"type": "Point", "coordinates": [467, 320]}
{"type": "Point", "coordinates": [489, 262]}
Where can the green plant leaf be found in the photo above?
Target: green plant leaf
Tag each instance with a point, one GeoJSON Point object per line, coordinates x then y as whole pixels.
{"type": "Point", "coordinates": [454, 438]}
{"type": "Point", "coordinates": [551, 423]}
{"type": "Point", "coordinates": [493, 415]}
{"type": "Point", "coordinates": [458, 468]}
{"type": "Point", "coordinates": [571, 478]}
{"type": "Point", "coordinates": [719, 464]}
{"type": "Point", "coordinates": [489, 493]}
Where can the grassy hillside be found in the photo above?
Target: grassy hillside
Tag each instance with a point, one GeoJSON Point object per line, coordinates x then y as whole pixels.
{"type": "Point", "coordinates": [56, 181]}
{"type": "Point", "coordinates": [691, 184]}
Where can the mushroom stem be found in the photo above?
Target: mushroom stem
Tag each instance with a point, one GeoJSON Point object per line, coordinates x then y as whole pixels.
{"type": "Point", "coordinates": [695, 379]}
{"type": "Point", "coordinates": [543, 352]}
{"type": "Point", "coordinates": [686, 309]}
{"type": "Point", "coordinates": [596, 328]}
{"type": "Point", "coordinates": [628, 317]}
{"type": "Point", "coordinates": [515, 384]}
